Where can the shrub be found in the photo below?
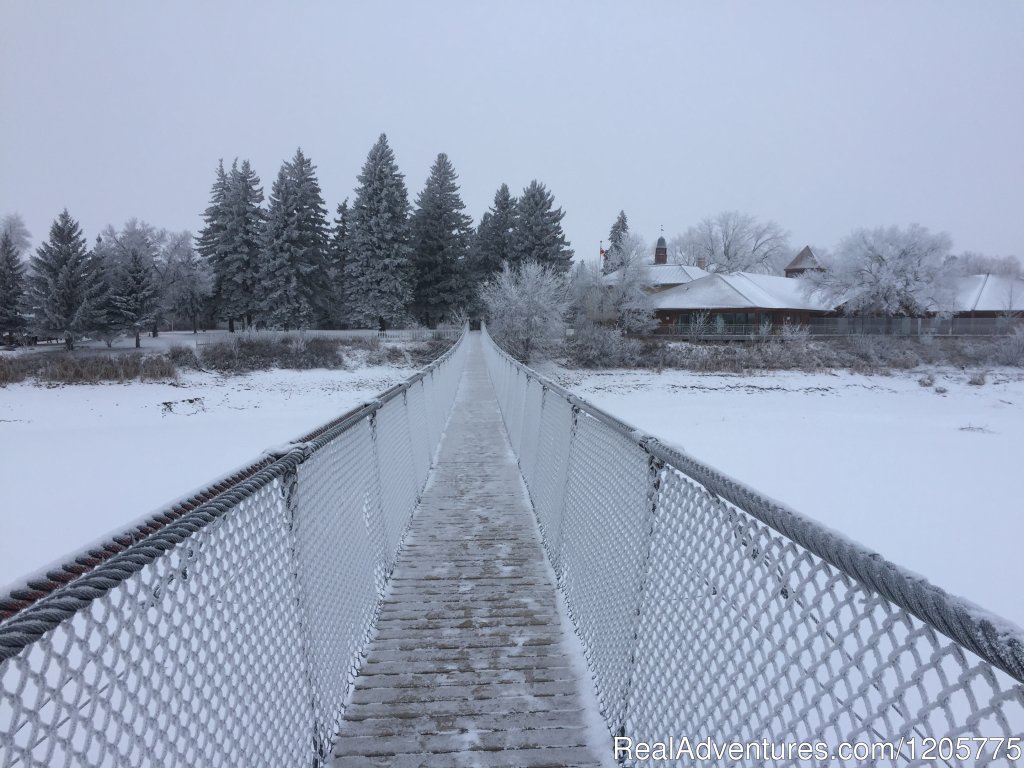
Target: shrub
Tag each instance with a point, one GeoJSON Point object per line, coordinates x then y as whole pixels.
{"type": "Point", "coordinates": [928, 380]}
{"type": "Point", "coordinates": [12, 369]}
{"type": "Point", "coordinates": [597, 346]}
{"type": "Point", "coordinates": [61, 368]}
{"type": "Point", "coordinates": [977, 379]}
{"type": "Point", "coordinates": [183, 357]}
{"type": "Point", "coordinates": [1010, 349]}
{"type": "Point", "coordinates": [246, 353]}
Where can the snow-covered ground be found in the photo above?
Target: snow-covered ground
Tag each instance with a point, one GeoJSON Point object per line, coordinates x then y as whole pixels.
{"type": "Point", "coordinates": [932, 481]}
{"type": "Point", "coordinates": [79, 462]}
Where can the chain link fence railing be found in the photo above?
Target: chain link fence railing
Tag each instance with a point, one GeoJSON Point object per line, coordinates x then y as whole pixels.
{"type": "Point", "coordinates": [227, 630]}
{"type": "Point", "coordinates": [707, 611]}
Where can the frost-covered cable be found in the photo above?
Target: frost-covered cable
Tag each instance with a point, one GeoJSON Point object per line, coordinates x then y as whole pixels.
{"type": "Point", "coordinates": [998, 641]}
{"type": "Point", "coordinates": [43, 603]}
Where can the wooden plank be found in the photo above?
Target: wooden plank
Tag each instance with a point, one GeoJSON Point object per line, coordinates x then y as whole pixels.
{"type": "Point", "coordinates": [469, 666]}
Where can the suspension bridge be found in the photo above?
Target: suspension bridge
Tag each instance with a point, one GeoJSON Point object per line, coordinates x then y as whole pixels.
{"type": "Point", "coordinates": [480, 569]}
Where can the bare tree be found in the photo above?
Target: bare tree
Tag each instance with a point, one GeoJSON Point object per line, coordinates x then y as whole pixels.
{"type": "Point", "coordinates": [972, 263]}
{"type": "Point", "coordinates": [733, 242]}
{"type": "Point", "coordinates": [620, 298]}
{"type": "Point", "coordinates": [526, 309]}
{"type": "Point", "coordinates": [888, 271]}
{"type": "Point", "coordinates": [14, 227]}
{"type": "Point", "coordinates": [699, 326]}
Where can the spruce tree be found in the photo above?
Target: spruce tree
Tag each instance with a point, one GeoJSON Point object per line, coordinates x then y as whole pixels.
{"type": "Point", "coordinates": [337, 314]}
{"type": "Point", "coordinates": [211, 236]}
{"type": "Point", "coordinates": [538, 232]}
{"type": "Point", "coordinates": [291, 281]}
{"type": "Point", "coordinates": [378, 272]}
{"type": "Point", "coordinates": [494, 243]}
{"type": "Point", "coordinates": [66, 285]}
{"type": "Point", "coordinates": [135, 299]}
{"type": "Point", "coordinates": [12, 286]}
{"type": "Point", "coordinates": [614, 255]}
{"type": "Point", "coordinates": [441, 237]}
{"type": "Point", "coordinates": [230, 240]}
{"type": "Point", "coordinates": [107, 324]}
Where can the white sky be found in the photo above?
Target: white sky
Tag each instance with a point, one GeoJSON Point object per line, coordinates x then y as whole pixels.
{"type": "Point", "coordinates": [822, 116]}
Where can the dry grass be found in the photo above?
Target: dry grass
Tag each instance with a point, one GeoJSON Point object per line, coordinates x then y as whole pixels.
{"type": "Point", "coordinates": [64, 368]}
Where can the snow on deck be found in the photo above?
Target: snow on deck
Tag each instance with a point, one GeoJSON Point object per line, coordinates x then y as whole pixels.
{"type": "Point", "coordinates": [472, 663]}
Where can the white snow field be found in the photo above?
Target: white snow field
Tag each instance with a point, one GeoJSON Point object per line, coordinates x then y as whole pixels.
{"type": "Point", "coordinates": [82, 461]}
{"type": "Point", "coordinates": [931, 481]}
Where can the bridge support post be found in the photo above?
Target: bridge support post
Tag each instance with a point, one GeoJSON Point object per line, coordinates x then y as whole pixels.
{"type": "Point", "coordinates": [320, 740]}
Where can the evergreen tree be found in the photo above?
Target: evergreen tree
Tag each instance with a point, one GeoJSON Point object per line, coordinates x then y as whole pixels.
{"type": "Point", "coordinates": [337, 314]}
{"type": "Point", "coordinates": [441, 236]}
{"type": "Point", "coordinates": [538, 233]}
{"type": "Point", "coordinates": [211, 236]}
{"type": "Point", "coordinates": [136, 299]}
{"type": "Point", "coordinates": [378, 272]}
{"type": "Point", "coordinates": [12, 286]}
{"type": "Point", "coordinates": [230, 240]}
{"type": "Point", "coordinates": [66, 286]}
{"type": "Point", "coordinates": [107, 324]}
{"type": "Point", "coordinates": [114, 249]}
{"type": "Point", "coordinates": [615, 236]}
{"type": "Point", "coordinates": [494, 243]}
{"type": "Point", "coordinates": [292, 278]}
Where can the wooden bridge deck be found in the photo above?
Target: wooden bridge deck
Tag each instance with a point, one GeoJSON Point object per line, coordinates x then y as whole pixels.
{"type": "Point", "coordinates": [471, 664]}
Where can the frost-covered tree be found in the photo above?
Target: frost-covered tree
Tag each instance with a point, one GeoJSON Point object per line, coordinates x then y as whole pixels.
{"type": "Point", "coordinates": [440, 239]}
{"type": "Point", "coordinates": [971, 263]}
{"type": "Point", "coordinates": [606, 307]}
{"type": "Point", "coordinates": [291, 284]}
{"type": "Point", "coordinates": [135, 237]}
{"type": "Point", "coordinates": [734, 242]}
{"type": "Point", "coordinates": [337, 257]}
{"type": "Point", "coordinates": [230, 240]}
{"type": "Point", "coordinates": [526, 309]}
{"type": "Point", "coordinates": [378, 273]}
{"type": "Point", "coordinates": [12, 286]}
{"type": "Point", "coordinates": [628, 290]}
{"type": "Point", "coordinates": [210, 240]}
{"type": "Point", "coordinates": [115, 248]}
{"type": "Point", "coordinates": [135, 297]}
{"type": "Point", "coordinates": [14, 227]}
{"type": "Point", "coordinates": [494, 243]}
{"type": "Point", "coordinates": [888, 271]}
{"type": "Point", "coordinates": [188, 279]}
{"type": "Point", "coordinates": [107, 323]}
{"type": "Point", "coordinates": [538, 232]}
{"type": "Point", "coordinates": [615, 236]}
{"type": "Point", "coordinates": [66, 284]}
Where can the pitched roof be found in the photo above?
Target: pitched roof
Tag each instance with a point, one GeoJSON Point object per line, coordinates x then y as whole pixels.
{"type": "Point", "coordinates": [739, 290]}
{"type": "Point", "coordinates": [989, 293]}
{"type": "Point", "coordinates": [665, 274]}
{"type": "Point", "coordinates": [804, 260]}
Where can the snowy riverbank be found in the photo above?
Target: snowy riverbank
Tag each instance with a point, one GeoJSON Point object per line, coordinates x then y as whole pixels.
{"type": "Point", "coordinates": [84, 460]}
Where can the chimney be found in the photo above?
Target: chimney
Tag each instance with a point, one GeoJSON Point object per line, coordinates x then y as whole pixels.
{"type": "Point", "coordinates": [702, 263]}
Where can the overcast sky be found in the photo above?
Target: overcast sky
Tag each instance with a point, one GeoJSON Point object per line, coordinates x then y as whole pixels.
{"type": "Point", "coordinates": [823, 116]}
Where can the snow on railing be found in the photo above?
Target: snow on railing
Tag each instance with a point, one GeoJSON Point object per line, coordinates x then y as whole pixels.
{"type": "Point", "coordinates": [708, 611]}
{"type": "Point", "coordinates": [227, 630]}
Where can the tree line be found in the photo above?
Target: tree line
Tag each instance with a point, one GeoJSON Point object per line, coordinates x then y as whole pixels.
{"type": "Point", "coordinates": [280, 262]}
